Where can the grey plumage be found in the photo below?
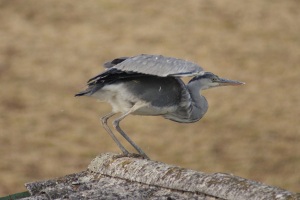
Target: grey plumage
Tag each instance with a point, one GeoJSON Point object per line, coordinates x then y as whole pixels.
{"type": "Point", "coordinates": [156, 65]}
{"type": "Point", "coordinates": [151, 85]}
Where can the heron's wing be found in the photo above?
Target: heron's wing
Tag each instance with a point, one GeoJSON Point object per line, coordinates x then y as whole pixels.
{"type": "Point", "coordinates": [157, 65]}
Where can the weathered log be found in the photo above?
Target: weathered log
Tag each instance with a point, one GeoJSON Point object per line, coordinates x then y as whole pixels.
{"type": "Point", "coordinates": [111, 176]}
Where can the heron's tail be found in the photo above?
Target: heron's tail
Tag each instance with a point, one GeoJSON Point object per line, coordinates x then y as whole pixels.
{"type": "Point", "coordinates": [91, 89]}
{"type": "Point", "coordinates": [88, 91]}
{"type": "Point", "coordinates": [82, 93]}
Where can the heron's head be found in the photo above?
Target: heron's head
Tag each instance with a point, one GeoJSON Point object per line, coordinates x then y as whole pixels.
{"type": "Point", "coordinates": [209, 80]}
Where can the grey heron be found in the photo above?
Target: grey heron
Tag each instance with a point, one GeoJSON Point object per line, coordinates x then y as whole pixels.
{"type": "Point", "coordinates": [152, 85]}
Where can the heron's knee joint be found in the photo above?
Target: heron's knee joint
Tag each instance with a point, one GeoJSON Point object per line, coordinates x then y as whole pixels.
{"type": "Point", "coordinates": [104, 120]}
{"type": "Point", "coordinates": [116, 123]}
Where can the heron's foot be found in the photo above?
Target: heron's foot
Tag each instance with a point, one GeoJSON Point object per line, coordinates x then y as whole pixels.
{"type": "Point", "coordinates": [136, 155]}
{"type": "Point", "coordinates": [132, 155]}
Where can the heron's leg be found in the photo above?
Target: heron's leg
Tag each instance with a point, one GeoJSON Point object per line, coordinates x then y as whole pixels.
{"type": "Point", "coordinates": [108, 130]}
{"type": "Point", "coordinates": [117, 127]}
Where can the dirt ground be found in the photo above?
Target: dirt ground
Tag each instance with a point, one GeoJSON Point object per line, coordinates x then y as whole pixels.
{"type": "Point", "coordinates": [49, 49]}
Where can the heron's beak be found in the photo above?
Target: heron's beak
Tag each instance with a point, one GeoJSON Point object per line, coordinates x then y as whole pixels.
{"type": "Point", "coordinates": [225, 82]}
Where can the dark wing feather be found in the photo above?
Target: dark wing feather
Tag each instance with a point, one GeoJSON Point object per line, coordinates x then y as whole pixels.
{"type": "Point", "coordinates": [114, 62]}
{"type": "Point", "coordinates": [106, 78]}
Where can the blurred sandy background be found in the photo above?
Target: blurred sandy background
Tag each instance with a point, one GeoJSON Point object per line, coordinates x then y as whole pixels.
{"type": "Point", "coordinates": [49, 49]}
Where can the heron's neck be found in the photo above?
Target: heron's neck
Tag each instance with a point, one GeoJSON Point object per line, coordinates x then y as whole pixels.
{"type": "Point", "coordinates": [199, 102]}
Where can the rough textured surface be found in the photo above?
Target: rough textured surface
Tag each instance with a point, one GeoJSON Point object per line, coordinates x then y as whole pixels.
{"type": "Point", "coordinates": [89, 185]}
{"type": "Point", "coordinates": [110, 176]}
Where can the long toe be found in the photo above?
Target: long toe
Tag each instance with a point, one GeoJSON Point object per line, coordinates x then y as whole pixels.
{"type": "Point", "coordinates": [143, 156]}
{"type": "Point", "coordinates": [132, 155]}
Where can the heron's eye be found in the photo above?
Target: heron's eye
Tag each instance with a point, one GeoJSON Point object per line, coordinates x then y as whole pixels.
{"type": "Point", "coordinates": [214, 79]}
